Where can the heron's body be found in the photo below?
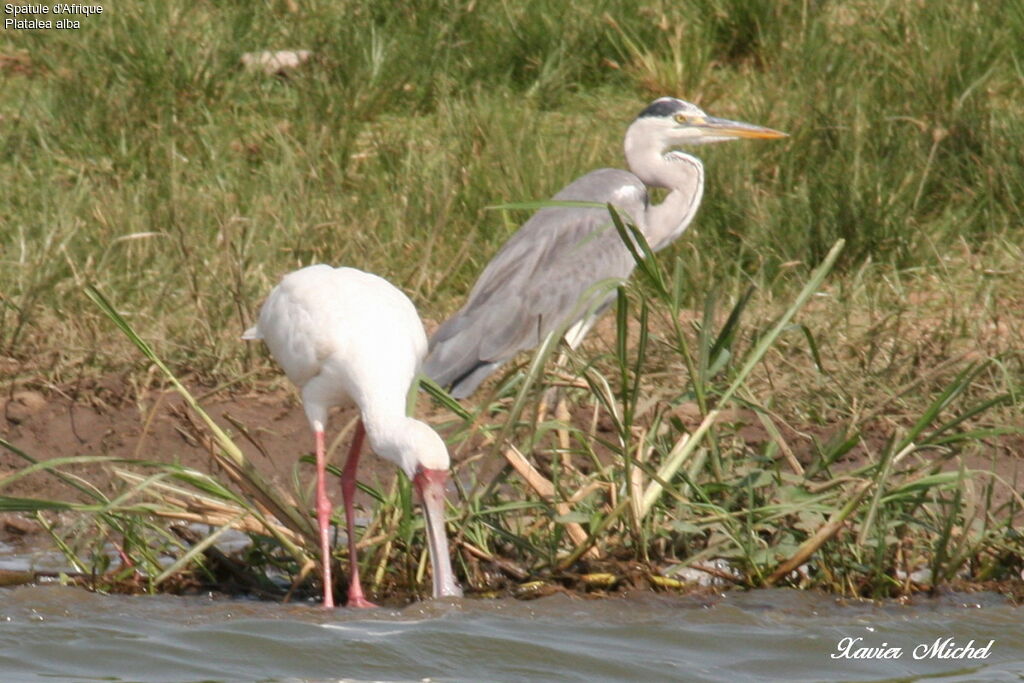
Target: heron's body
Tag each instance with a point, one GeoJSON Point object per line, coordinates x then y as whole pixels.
{"type": "Point", "coordinates": [513, 305]}
{"type": "Point", "coordinates": [345, 336]}
{"type": "Point", "coordinates": [541, 278]}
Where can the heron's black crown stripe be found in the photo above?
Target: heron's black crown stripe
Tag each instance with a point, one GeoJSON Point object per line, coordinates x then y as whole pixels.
{"type": "Point", "coordinates": [663, 107]}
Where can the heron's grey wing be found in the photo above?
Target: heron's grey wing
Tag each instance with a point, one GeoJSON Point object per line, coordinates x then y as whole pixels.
{"type": "Point", "coordinates": [536, 281]}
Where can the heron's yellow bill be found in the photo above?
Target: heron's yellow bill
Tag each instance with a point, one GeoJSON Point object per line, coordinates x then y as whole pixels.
{"type": "Point", "coordinates": [738, 129]}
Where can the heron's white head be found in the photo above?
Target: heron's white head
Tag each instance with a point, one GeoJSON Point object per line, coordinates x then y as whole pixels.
{"type": "Point", "coordinates": [669, 122]}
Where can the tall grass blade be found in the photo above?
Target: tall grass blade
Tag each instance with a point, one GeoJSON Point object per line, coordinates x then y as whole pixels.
{"type": "Point", "coordinates": [684, 448]}
{"type": "Point", "coordinates": [229, 454]}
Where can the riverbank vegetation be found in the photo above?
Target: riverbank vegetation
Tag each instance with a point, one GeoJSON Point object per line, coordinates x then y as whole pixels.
{"type": "Point", "coordinates": [818, 385]}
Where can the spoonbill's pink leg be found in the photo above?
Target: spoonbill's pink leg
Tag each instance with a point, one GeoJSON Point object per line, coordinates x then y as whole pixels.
{"type": "Point", "coordinates": [323, 518]}
{"type": "Point", "coordinates": [356, 598]}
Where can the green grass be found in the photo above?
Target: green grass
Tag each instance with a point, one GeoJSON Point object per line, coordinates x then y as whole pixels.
{"type": "Point", "coordinates": [137, 157]}
{"type": "Point", "coordinates": [586, 506]}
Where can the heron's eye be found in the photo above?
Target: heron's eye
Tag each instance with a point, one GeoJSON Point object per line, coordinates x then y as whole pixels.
{"type": "Point", "coordinates": [682, 118]}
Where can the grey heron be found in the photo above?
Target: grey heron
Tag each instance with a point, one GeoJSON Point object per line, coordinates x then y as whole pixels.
{"type": "Point", "coordinates": [537, 279]}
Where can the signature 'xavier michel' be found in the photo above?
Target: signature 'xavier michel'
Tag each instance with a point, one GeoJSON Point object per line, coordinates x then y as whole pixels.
{"type": "Point", "coordinates": [940, 648]}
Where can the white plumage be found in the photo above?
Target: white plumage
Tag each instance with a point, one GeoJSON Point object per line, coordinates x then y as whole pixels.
{"type": "Point", "coordinates": [345, 336]}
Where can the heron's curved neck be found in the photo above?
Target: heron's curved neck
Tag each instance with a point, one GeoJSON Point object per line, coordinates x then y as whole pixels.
{"type": "Point", "coordinates": [680, 173]}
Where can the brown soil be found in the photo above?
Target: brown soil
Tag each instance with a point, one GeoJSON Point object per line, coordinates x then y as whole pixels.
{"type": "Point", "coordinates": [106, 418]}
{"type": "Point", "coordinates": [155, 427]}
{"type": "Point", "coordinates": [110, 418]}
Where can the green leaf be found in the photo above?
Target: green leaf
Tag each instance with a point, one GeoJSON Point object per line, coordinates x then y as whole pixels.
{"type": "Point", "coordinates": [12, 504]}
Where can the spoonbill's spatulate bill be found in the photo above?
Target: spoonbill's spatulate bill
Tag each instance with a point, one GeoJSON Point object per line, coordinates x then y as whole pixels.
{"type": "Point", "coordinates": [344, 336]}
{"type": "Point", "coordinates": [542, 276]}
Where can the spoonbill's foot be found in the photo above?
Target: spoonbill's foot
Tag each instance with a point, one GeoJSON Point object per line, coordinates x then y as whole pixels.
{"type": "Point", "coordinates": [360, 602]}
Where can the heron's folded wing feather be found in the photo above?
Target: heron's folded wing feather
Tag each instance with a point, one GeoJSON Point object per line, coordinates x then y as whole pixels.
{"type": "Point", "coordinates": [536, 280]}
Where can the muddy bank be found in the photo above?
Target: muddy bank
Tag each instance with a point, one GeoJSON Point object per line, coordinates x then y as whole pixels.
{"type": "Point", "coordinates": [108, 417]}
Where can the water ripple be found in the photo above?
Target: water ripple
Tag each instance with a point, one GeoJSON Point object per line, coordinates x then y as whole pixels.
{"type": "Point", "coordinates": [49, 632]}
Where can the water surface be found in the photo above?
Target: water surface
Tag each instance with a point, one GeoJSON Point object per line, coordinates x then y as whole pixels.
{"type": "Point", "coordinates": [52, 632]}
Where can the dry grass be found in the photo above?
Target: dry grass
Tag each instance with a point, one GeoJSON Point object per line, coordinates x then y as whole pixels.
{"type": "Point", "coordinates": [136, 156]}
